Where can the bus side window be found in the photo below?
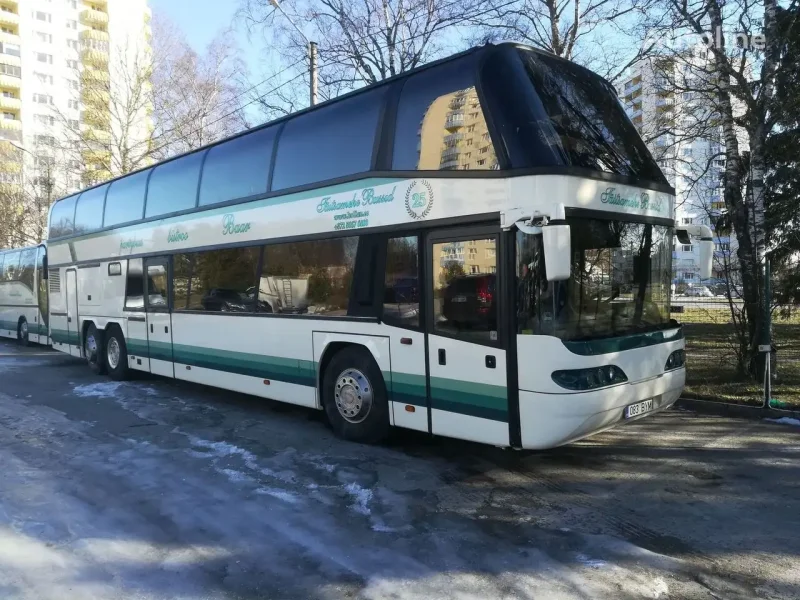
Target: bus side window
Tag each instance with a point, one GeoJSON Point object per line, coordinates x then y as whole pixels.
{"type": "Point", "coordinates": [401, 281]}
{"type": "Point", "coordinates": [134, 288]}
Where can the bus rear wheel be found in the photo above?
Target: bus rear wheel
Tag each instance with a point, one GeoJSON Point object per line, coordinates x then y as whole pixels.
{"type": "Point", "coordinates": [94, 350]}
{"type": "Point", "coordinates": [23, 334]}
{"type": "Point", "coordinates": [354, 397]}
{"type": "Point", "coordinates": [116, 354]}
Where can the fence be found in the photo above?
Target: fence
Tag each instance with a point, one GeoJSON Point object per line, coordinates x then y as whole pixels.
{"type": "Point", "coordinates": [714, 368]}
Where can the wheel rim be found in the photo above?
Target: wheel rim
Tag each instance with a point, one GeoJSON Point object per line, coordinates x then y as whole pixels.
{"type": "Point", "coordinates": [353, 395]}
{"type": "Point", "coordinates": [91, 348]}
{"type": "Point", "coordinates": [23, 330]}
{"type": "Point", "coordinates": [113, 353]}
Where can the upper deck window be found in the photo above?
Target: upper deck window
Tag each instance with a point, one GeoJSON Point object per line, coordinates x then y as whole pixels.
{"type": "Point", "coordinates": [238, 168]}
{"type": "Point", "coordinates": [333, 141]}
{"type": "Point", "coordinates": [62, 217]}
{"type": "Point", "coordinates": [579, 117]}
{"type": "Point", "coordinates": [173, 185]}
{"type": "Point", "coordinates": [89, 214]}
{"type": "Point", "coordinates": [440, 122]}
{"type": "Point", "coordinates": [125, 201]}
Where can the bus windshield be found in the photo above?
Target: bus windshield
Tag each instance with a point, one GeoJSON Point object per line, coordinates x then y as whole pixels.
{"type": "Point", "coordinates": [620, 282]}
{"type": "Point", "coordinates": [581, 119]}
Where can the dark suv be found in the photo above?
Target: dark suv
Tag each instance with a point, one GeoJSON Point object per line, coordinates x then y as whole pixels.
{"type": "Point", "coordinates": [469, 301]}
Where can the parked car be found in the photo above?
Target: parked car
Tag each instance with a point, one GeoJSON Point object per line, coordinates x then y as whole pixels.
{"type": "Point", "coordinates": [700, 291]}
{"type": "Point", "coordinates": [226, 300]}
{"type": "Point", "coordinates": [469, 301]}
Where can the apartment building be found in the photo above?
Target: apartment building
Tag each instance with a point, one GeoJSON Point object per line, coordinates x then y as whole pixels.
{"type": "Point", "coordinates": [57, 78]}
{"type": "Point", "coordinates": [662, 98]}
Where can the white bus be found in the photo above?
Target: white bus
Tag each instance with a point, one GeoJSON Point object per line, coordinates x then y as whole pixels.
{"type": "Point", "coordinates": [480, 248]}
{"type": "Point", "coordinates": [23, 294]}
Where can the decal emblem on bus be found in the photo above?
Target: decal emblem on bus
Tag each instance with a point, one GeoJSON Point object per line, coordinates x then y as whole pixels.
{"type": "Point", "coordinates": [643, 202]}
{"type": "Point", "coordinates": [231, 227]}
{"type": "Point", "coordinates": [176, 235]}
{"type": "Point", "coordinates": [419, 199]}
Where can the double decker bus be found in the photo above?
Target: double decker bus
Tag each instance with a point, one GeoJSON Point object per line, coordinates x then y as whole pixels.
{"type": "Point", "coordinates": [23, 294]}
{"type": "Point", "coordinates": [480, 248]}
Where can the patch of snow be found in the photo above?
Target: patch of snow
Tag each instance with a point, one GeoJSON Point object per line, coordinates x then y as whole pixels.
{"type": "Point", "coordinates": [279, 494]}
{"type": "Point", "coordinates": [786, 421]}
{"type": "Point", "coordinates": [361, 497]}
{"type": "Point", "coordinates": [594, 563]}
{"type": "Point", "coordinates": [382, 527]}
{"type": "Point", "coordinates": [660, 588]}
{"type": "Point", "coordinates": [235, 476]}
{"type": "Point", "coordinates": [221, 449]}
{"type": "Point", "coordinates": [104, 389]}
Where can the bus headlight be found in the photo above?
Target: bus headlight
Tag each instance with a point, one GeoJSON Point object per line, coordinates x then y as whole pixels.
{"type": "Point", "coordinates": [676, 360]}
{"type": "Point", "coordinates": [589, 379]}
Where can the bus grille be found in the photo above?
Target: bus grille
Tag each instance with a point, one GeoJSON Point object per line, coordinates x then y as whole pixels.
{"type": "Point", "coordinates": [54, 277]}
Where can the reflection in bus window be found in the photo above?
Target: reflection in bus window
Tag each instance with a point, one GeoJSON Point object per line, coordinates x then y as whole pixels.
{"type": "Point", "coordinates": [27, 264]}
{"type": "Point", "coordinates": [156, 286]}
{"type": "Point", "coordinates": [308, 277]}
{"type": "Point", "coordinates": [134, 291]}
{"type": "Point", "coordinates": [465, 288]}
{"type": "Point", "coordinates": [401, 290]}
{"type": "Point", "coordinates": [224, 280]}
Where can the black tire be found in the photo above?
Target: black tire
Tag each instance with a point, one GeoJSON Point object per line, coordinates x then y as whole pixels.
{"type": "Point", "coordinates": [95, 350]}
{"type": "Point", "coordinates": [115, 343]}
{"type": "Point", "coordinates": [368, 426]}
{"type": "Point", "coordinates": [23, 333]}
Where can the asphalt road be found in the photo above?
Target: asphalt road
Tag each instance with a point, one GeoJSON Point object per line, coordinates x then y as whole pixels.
{"type": "Point", "coordinates": [155, 489]}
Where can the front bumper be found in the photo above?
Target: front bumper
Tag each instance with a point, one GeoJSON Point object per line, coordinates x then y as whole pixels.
{"type": "Point", "coordinates": [550, 420]}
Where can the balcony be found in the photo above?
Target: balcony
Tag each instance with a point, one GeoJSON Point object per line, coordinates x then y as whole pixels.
{"type": "Point", "coordinates": [458, 102]}
{"type": "Point", "coordinates": [94, 35]}
{"type": "Point", "coordinates": [92, 77]}
{"type": "Point", "coordinates": [9, 19]}
{"type": "Point", "coordinates": [95, 57]}
{"type": "Point", "coordinates": [8, 103]}
{"type": "Point", "coordinates": [94, 18]}
{"type": "Point", "coordinates": [451, 154]}
{"type": "Point", "coordinates": [449, 165]}
{"type": "Point", "coordinates": [11, 124]}
{"type": "Point", "coordinates": [98, 119]}
{"type": "Point", "coordinates": [94, 96]}
{"type": "Point", "coordinates": [9, 38]}
{"type": "Point", "coordinates": [454, 120]}
{"type": "Point", "coordinates": [10, 165]}
{"type": "Point", "coordinates": [453, 138]}
{"type": "Point", "coordinates": [96, 135]}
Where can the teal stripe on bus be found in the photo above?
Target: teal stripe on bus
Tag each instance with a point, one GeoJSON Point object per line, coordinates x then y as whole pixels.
{"type": "Point", "coordinates": [62, 336]}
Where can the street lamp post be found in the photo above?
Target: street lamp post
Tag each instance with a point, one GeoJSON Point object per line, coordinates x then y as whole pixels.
{"type": "Point", "coordinates": [312, 52]}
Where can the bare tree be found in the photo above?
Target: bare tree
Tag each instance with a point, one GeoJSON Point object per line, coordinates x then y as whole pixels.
{"type": "Point", "coordinates": [360, 41]}
{"type": "Point", "coordinates": [731, 79]}
{"type": "Point", "coordinates": [578, 30]}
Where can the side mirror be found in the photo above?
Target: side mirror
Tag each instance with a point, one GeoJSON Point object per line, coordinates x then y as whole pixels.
{"type": "Point", "coordinates": [706, 258]}
{"type": "Point", "coordinates": [557, 252]}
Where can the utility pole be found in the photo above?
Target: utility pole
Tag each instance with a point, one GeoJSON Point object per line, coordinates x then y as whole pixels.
{"type": "Point", "coordinates": [312, 52]}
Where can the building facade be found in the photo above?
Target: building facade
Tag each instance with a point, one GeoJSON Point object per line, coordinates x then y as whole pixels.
{"type": "Point", "coordinates": [57, 79]}
{"type": "Point", "coordinates": [664, 99]}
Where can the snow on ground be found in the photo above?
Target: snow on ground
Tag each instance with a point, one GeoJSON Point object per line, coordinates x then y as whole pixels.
{"type": "Point", "coordinates": [786, 421]}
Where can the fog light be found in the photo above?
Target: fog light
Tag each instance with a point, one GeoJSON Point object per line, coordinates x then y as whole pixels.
{"type": "Point", "coordinates": [589, 379]}
{"type": "Point", "coordinates": [675, 360]}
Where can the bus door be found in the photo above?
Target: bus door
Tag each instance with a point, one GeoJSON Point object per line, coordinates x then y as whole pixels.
{"type": "Point", "coordinates": [73, 326]}
{"type": "Point", "coordinates": [42, 295]}
{"type": "Point", "coordinates": [159, 320]}
{"type": "Point", "coordinates": [468, 393]}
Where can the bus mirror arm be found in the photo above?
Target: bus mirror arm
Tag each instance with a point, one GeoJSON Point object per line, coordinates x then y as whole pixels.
{"type": "Point", "coordinates": [704, 238]}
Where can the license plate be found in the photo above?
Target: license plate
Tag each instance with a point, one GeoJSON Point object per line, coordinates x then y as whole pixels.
{"type": "Point", "coordinates": [640, 408]}
{"type": "Point", "coordinates": [459, 299]}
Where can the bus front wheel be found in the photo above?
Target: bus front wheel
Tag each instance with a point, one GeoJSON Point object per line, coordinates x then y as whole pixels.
{"type": "Point", "coordinates": [94, 350]}
{"type": "Point", "coordinates": [354, 397]}
{"type": "Point", "coordinates": [116, 354]}
{"type": "Point", "coordinates": [23, 334]}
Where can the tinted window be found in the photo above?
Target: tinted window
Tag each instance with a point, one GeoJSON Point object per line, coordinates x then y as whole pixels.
{"type": "Point", "coordinates": [181, 271]}
{"type": "Point", "coordinates": [224, 280]}
{"type": "Point", "coordinates": [333, 141]}
{"type": "Point", "coordinates": [89, 214]}
{"type": "Point", "coordinates": [134, 292]}
{"type": "Point", "coordinates": [464, 289]}
{"type": "Point", "coordinates": [238, 168]}
{"type": "Point", "coordinates": [42, 292]}
{"type": "Point", "coordinates": [125, 201]}
{"type": "Point", "coordinates": [582, 119]}
{"type": "Point", "coordinates": [440, 122]}
{"type": "Point", "coordinates": [11, 266]}
{"type": "Point", "coordinates": [173, 185]}
{"type": "Point", "coordinates": [308, 277]}
{"type": "Point", "coordinates": [62, 217]}
{"type": "Point", "coordinates": [27, 265]}
{"type": "Point", "coordinates": [401, 291]}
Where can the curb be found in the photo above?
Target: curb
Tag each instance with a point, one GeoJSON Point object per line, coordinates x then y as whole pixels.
{"type": "Point", "coordinates": [742, 411]}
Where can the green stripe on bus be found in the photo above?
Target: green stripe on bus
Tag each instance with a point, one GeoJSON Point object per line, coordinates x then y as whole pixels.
{"type": "Point", "coordinates": [62, 336]}
{"type": "Point", "coordinates": [470, 398]}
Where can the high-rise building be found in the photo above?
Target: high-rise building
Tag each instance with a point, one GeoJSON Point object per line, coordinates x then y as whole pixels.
{"type": "Point", "coordinates": [663, 98]}
{"type": "Point", "coordinates": [59, 70]}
